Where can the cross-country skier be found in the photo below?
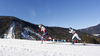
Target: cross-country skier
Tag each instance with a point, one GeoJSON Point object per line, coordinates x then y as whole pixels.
{"type": "Point", "coordinates": [43, 29]}
{"type": "Point", "coordinates": [75, 35]}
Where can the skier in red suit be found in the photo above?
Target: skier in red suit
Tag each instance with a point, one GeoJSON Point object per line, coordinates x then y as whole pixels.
{"type": "Point", "coordinates": [43, 29]}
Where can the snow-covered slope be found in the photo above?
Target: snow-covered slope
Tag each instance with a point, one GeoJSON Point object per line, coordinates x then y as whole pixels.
{"type": "Point", "coordinates": [13, 47]}
{"type": "Point", "coordinates": [11, 31]}
{"type": "Point", "coordinates": [26, 31]}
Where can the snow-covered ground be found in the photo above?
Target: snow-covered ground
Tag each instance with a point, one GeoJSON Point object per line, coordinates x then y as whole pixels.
{"type": "Point", "coordinates": [16, 47]}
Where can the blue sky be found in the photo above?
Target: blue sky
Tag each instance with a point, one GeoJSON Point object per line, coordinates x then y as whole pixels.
{"type": "Point", "coordinates": [63, 13]}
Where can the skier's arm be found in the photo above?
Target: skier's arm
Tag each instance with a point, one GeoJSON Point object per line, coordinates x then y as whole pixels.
{"type": "Point", "coordinates": [69, 31]}
{"type": "Point", "coordinates": [45, 31]}
{"type": "Point", "coordinates": [40, 30]}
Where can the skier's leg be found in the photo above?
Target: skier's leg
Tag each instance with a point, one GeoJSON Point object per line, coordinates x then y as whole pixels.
{"type": "Point", "coordinates": [42, 39]}
{"type": "Point", "coordinates": [47, 35]}
{"type": "Point", "coordinates": [73, 39]}
{"type": "Point", "coordinates": [80, 38]}
{"type": "Point", "coordinates": [77, 36]}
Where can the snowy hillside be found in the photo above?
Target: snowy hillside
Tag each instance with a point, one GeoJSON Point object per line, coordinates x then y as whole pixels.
{"type": "Point", "coordinates": [92, 30]}
{"type": "Point", "coordinates": [11, 32]}
{"type": "Point", "coordinates": [13, 47]}
{"type": "Point", "coordinates": [13, 27]}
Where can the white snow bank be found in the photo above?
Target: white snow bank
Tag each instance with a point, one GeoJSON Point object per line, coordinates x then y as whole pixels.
{"type": "Point", "coordinates": [13, 47]}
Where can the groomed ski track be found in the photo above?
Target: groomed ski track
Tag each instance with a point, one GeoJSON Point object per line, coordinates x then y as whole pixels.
{"type": "Point", "coordinates": [17, 47]}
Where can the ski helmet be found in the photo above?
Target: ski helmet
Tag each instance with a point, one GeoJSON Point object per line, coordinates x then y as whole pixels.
{"type": "Point", "coordinates": [40, 25]}
{"type": "Point", "coordinates": [70, 28]}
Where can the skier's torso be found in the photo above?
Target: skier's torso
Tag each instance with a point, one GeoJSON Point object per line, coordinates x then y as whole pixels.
{"type": "Point", "coordinates": [43, 29]}
{"type": "Point", "coordinates": [72, 31]}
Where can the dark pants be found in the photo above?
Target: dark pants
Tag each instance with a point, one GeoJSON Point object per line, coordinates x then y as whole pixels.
{"type": "Point", "coordinates": [45, 34]}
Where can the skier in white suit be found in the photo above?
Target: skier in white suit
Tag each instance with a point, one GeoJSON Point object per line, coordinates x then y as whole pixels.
{"type": "Point", "coordinates": [75, 35]}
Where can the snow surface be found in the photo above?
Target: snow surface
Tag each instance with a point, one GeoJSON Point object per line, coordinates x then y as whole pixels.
{"type": "Point", "coordinates": [16, 47]}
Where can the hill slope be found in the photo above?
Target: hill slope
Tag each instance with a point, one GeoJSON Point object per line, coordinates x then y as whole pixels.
{"type": "Point", "coordinates": [92, 30]}
{"type": "Point", "coordinates": [25, 30]}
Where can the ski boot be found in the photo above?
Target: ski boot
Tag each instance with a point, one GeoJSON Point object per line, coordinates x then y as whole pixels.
{"type": "Point", "coordinates": [72, 42]}
{"type": "Point", "coordinates": [84, 43]}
